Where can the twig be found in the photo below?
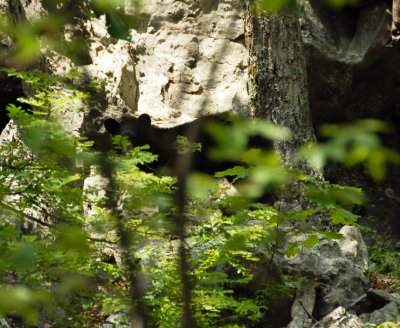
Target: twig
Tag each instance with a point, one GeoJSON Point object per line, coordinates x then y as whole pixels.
{"type": "Point", "coordinates": [308, 313]}
{"type": "Point", "coordinates": [49, 225]}
{"type": "Point", "coordinates": [30, 217]}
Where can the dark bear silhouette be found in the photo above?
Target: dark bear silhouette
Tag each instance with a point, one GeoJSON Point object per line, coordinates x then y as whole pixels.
{"type": "Point", "coordinates": [163, 141]}
{"type": "Point", "coordinates": [11, 90]}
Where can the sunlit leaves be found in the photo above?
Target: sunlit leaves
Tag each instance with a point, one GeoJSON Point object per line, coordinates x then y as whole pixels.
{"type": "Point", "coordinates": [311, 241]}
{"type": "Point", "coordinates": [62, 181]}
{"type": "Point", "coordinates": [22, 301]}
{"type": "Point", "coordinates": [24, 255]}
{"type": "Point", "coordinates": [273, 6]}
{"type": "Point", "coordinates": [200, 185]}
{"type": "Point", "coordinates": [225, 236]}
{"type": "Point", "coordinates": [72, 239]}
{"type": "Point", "coordinates": [345, 195]}
{"type": "Point", "coordinates": [118, 25]}
{"type": "Point", "coordinates": [266, 129]}
{"type": "Point", "coordinates": [121, 15]}
{"type": "Point", "coordinates": [332, 195]}
{"type": "Point", "coordinates": [342, 216]}
{"type": "Point", "coordinates": [121, 143]}
{"type": "Point", "coordinates": [16, 113]}
{"type": "Point", "coordinates": [331, 235]}
{"type": "Point", "coordinates": [341, 3]}
{"type": "Point", "coordinates": [183, 145]}
{"type": "Point", "coordinates": [261, 179]}
{"type": "Point", "coordinates": [232, 140]}
{"type": "Point", "coordinates": [50, 30]}
{"type": "Point", "coordinates": [238, 172]}
{"type": "Point", "coordinates": [292, 250]}
{"type": "Point", "coordinates": [44, 137]}
{"type": "Point", "coordinates": [353, 144]}
{"type": "Point", "coordinates": [27, 46]}
{"type": "Point", "coordinates": [261, 157]}
{"type": "Point", "coordinates": [248, 142]}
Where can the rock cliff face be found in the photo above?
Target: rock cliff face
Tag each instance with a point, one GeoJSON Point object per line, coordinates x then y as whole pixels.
{"type": "Point", "coordinates": [187, 60]}
{"type": "Point", "coordinates": [191, 59]}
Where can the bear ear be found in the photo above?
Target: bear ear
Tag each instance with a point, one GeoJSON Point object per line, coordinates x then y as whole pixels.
{"type": "Point", "coordinates": [144, 121]}
{"type": "Point", "coordinates": [112, 126]}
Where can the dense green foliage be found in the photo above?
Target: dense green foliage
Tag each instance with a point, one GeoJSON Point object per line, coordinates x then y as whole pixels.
{"type": "Point", "coordinates": [59, 260]}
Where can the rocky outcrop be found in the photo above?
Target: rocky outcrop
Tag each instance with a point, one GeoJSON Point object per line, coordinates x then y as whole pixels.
{"type": "Point", "coordinates": [337, 292]}
{"type": "Point", "coordinates": [335, 272]}
{"type": "Point", "coordinates": [191, 60]}
{"type": "Point", "coordinates": [340, 318]}
{"type": "Point", "coordinates": [352, 61]}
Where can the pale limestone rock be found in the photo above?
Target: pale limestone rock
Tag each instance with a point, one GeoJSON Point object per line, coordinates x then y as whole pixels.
{"type": "Point", "coordinates": [94, 187]}
{"type": "Point", "coordinates": [10, 134]}
{"type": "Point", "coordinates": [303, 306]}
{"type": "Point", "coordinates": [340, 318]}
{"type": "Point", "coordinates": [343, 279]}
{"type": "Point", "coordinates": [57, 64]}
{"type": "Point", "coordinates": [191, 61]}
{"type": "Point", "coordinates": [353, 246]}
{"type": "Point", "coordinates": [70, 111]}
{"type": "Point", "coordinates": [33, 8]}
{"type": "Point", "coordinates": [114, 63]}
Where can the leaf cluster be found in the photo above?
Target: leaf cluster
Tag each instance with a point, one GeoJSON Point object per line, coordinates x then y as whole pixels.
{"type": "Point", "coordinates": [59, 237]}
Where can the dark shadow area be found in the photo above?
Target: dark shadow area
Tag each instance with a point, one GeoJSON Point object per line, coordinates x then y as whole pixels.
{"type": "Point", "coordinates": [342, 93]}
{"type": "Point", "coordinates": [11, 90]}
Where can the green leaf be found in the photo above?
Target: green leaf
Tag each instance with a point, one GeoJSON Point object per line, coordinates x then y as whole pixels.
{"type": "Point", "coordinates": [183, 145]}
{"type": "Point", "coordinates": [303, 214]}
{"type": "Point", "coordinates": [24, 256]}
{"type": "Point", "coordinates": [117, 25]}
{"type": "Point", "coordinates": [311, 241]}
{"type": "Point", "coordinates": [22, 301]}
{"type": "Point", "coordinates": [376, 165]}
{"type": "Point", "coordinates": [72, 238]}
{"type": "Point", "coordinates": [27, 45]}
{"type": "Point", "coordinates": [239, 172]}
{"type": "Point", "coordinates": [271, 5]}
{"type": "Point", "coordinates": [200, 185]}
{"type": "Point", "coordinates": [67, 180]}
{"type": "Point", "coordinates": [141, 156]}
{"type": "Point", "coordinates": [266, 128]}
{"type": "Point", "coordinates": [342, 216]}
{"type": "Point", "coordinates": [236, 242]}
{"type": "Point", "coordinates": [292, 250]}
{"type": "Point", "coordinates": [342, 3]}
{"type": "Point", "coordinates": [330, 235]}
{"type": "Point", "coordinates": [230, 141]}
{"type": "Point", "coordinates": [17, 114]}
{"type": "Point", "coordinates": [345, 195]}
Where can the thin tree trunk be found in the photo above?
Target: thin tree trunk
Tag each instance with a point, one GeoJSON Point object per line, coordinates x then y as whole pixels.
{"type": "Point", "coordinates": [131, 263]}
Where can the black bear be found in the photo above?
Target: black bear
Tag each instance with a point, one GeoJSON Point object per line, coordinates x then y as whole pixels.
{"type": "Point", "coordinates": [167, 143]}
{"type": "Point", "coordinates": [12, 89]}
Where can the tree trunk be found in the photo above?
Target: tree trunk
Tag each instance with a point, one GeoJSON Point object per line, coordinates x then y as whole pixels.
{"type": "Point", "coordinates": [277, 75]}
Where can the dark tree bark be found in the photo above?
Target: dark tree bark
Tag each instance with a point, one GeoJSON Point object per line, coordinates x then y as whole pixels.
{"type": "Point", "coordinates": [277, 75]}
{"type": "Point", "coordinates": [278, 90]}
